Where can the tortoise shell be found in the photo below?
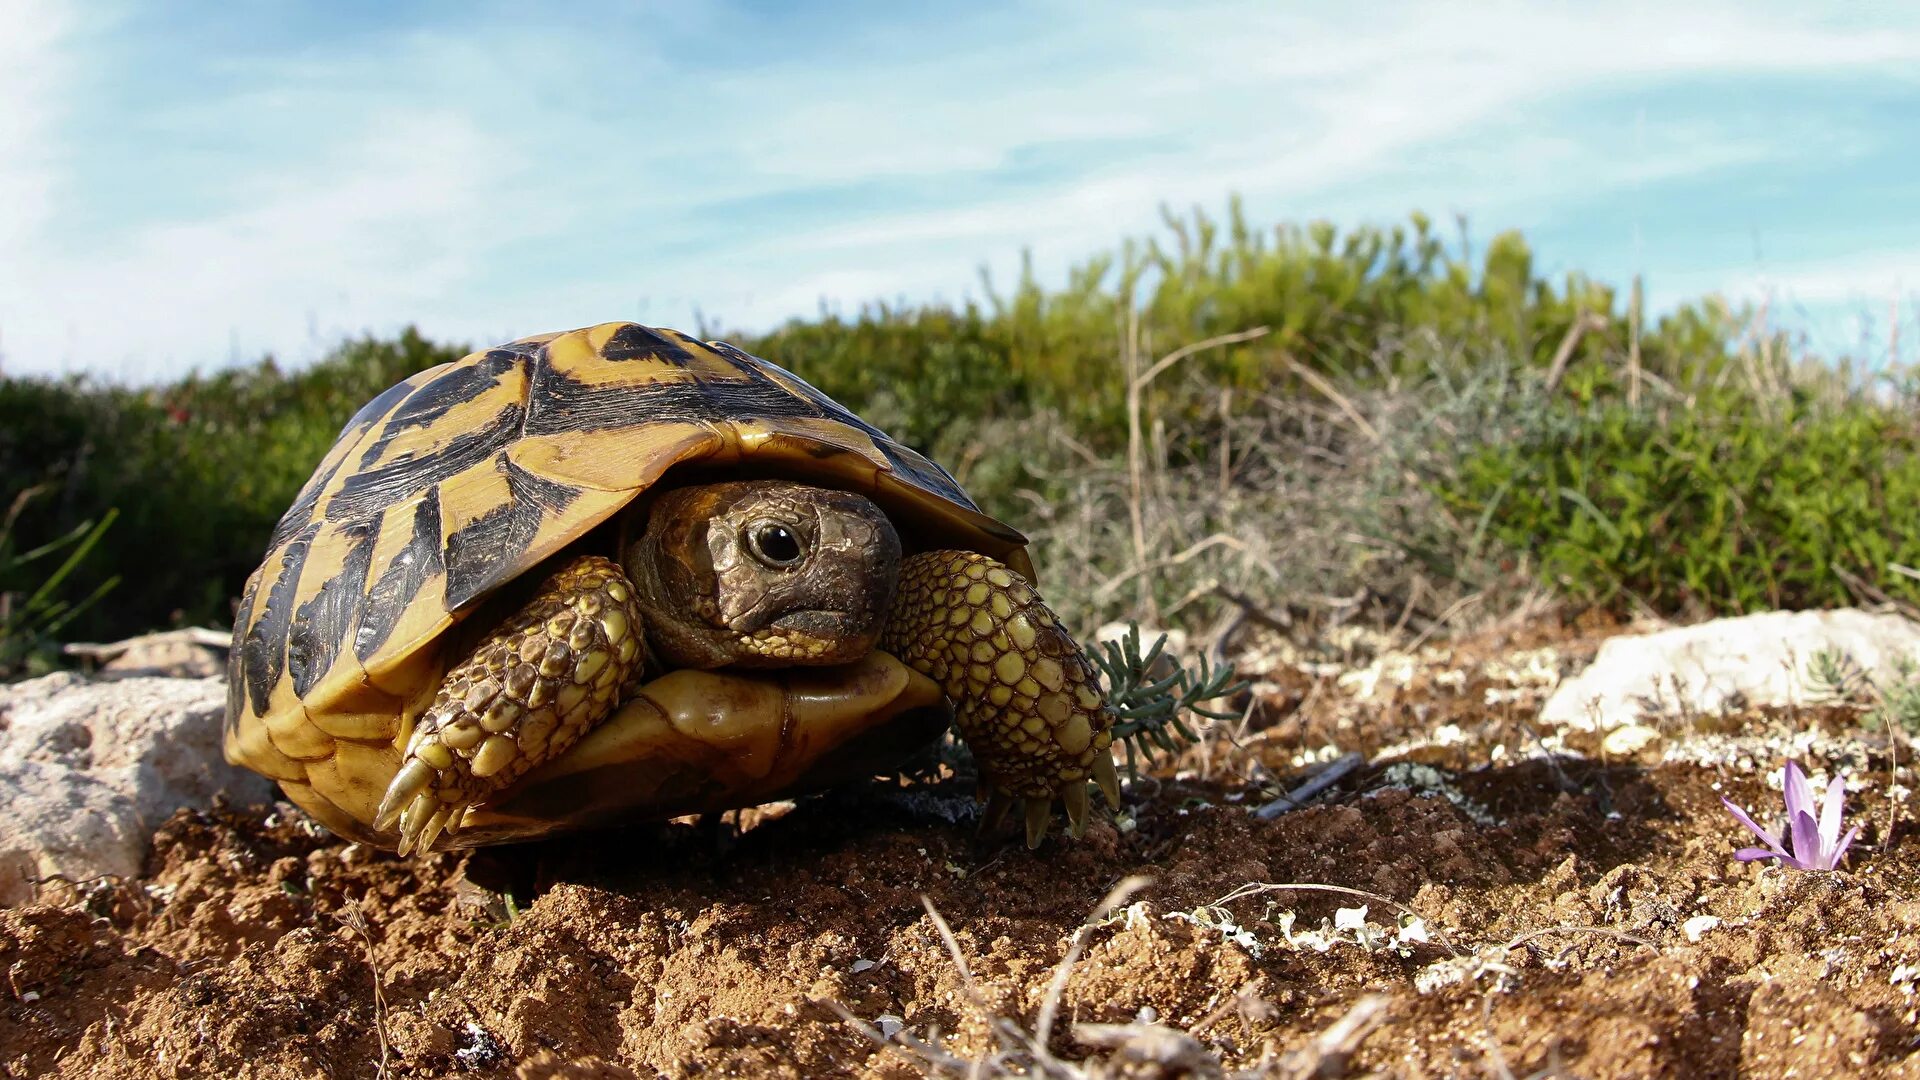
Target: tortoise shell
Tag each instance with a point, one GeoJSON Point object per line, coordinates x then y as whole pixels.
{"type": "Point", "coordinates": [458, 480]}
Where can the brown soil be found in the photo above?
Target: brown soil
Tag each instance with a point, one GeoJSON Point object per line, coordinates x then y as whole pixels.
{"type": "Point", "coordinates": [258, 946]}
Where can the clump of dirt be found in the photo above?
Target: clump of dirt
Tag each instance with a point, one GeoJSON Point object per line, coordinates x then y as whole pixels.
{"type": "Point", "coordinates": [1526, 907]}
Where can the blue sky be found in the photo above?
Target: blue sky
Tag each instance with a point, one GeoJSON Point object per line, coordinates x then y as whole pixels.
{"type": "Point", "coordinates": [194, 185]}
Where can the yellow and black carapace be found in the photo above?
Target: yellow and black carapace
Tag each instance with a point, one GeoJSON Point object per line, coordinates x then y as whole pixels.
{"type": "Point", "coordinates": [618, 573]}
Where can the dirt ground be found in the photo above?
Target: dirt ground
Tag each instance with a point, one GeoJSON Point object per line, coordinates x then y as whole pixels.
{"type": "Point", "coordinates": [1578, 913]}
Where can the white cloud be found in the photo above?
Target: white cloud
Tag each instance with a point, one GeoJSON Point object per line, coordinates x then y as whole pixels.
{"type": "Point", "coordinates": [33, 81]}
{"type": "Point", "coordinates": [391, 225]}
{"type": "Point", "coordinates": [1334, 106]}
{"type": "Point", "coordinates": [488, 181]}
{"type": "Point", "coordinates": [1874, 277]}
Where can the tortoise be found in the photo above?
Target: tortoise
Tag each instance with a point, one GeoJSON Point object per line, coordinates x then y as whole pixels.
{"type": "Point", "coordinates": [618, 573]}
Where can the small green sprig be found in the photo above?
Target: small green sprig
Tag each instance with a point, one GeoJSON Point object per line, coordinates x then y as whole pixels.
{"type": "Point", "coordinates": [1835, 674]}
{"type": "Point", "coordinates": [29, 621]}
{"type": "Point", "coordinates": [1150, 710]}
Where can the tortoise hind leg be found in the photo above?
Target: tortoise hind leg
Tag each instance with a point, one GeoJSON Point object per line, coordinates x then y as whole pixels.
{"type": "Point", "coordinates": [529, 689]}
{"type": "Point", "coordinates": [1026, 698]}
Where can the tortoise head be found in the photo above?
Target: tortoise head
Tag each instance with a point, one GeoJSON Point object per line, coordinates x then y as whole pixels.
{"type": "Point", "coordinates": [763, 573]}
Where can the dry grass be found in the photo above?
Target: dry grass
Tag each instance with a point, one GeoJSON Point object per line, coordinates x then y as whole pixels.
{"type": "Point", "coordinates": [354, 919]}
{"type": "Point", "coordinates": [1299, 513]}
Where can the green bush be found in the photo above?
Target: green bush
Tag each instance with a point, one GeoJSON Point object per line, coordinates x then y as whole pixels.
{"type": "Point", "coordinates": [1718, 504]}
{"type": "Point", "coordinates": [31, 621]}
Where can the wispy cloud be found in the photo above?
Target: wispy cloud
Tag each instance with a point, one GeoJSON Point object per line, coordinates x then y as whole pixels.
{"type": "Point", "coordinates": [491, 176]}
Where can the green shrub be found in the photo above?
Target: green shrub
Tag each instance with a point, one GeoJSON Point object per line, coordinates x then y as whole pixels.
{"type": "Point", "coordinates": [30, 621]}
{"type": "Point", "coordinates": [1724, 503]}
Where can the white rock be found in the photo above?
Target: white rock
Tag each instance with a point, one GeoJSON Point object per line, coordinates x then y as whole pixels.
{"type": "Point", "coordinates": [92, 767]}
{"type": "Point", "coordinates": [67, 822]}
{"type": "Point", "coordinates": [1723, 665]}
{"type": "Point", "coordinates": [1699, 925]}
{"type": "Point", "coordinates": [1629, 739]}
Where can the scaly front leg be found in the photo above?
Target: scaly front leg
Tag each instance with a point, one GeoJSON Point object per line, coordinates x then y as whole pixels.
{"type": "Point", "coordinates": [527, 692]}
{"type": "Point", "coordinates": [1026, 698]}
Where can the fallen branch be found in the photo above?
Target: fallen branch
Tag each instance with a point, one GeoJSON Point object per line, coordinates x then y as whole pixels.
{"type": "Point", "coordinates": [1327, 1054]}
{"type": "Point", "coordinates": [1306, 792]}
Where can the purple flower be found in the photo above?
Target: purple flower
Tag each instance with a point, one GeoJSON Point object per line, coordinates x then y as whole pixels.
{"type": "Point", "coordinates": [1817, 843]}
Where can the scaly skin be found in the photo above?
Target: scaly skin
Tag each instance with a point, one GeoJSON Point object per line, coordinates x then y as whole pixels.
{"type": "Point", "coordinates": [527, 692]}
{"type": "Point", "coordinates": [1026, 698]}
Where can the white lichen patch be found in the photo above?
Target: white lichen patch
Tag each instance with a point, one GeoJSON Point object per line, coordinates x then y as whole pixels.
{"type": "Point", "coordinates": [1350, 926]}
{"type": "Point", "coordinates": [1318, 755]}
{"type": "Point", "coordinates": [1629, 739]}
{"type": "Point", "coordinates": [1820, 753]}
{"type": "Point", "coordinates": [1466, 970]}
{"type": "Point", "coordinates": [1497, 696]}
{"type": "Point", "coordinates": [1524, 677]}
{"type": "Point", "coordinates": [1427, 780]}
{"type": "Point", "coordinates": [1390, 672]}
{"type": "Point", "coordinates": [1904, 977]}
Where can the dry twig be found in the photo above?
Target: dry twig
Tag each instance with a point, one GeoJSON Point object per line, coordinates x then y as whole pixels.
{"type": "Point", "coordinates": [354, 920]}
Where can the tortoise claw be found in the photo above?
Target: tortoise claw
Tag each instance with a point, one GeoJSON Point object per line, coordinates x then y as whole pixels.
{"type": "Point", "coordinates": [1075, 796]}
{"type": "Point", "coordinates": [409, 782]}
{"type": "Point", "coordinates": [995, 813]}
{"type": "Point", "coordinates": [497, 714]}
{"type": "Point", "coordinates": [431, 831]}
{"type": "Point", "coordinates": [424, 821]}
{"type": "Point", "coordinates": [413, 819]}
{"type": "Point", "coordinates": [1039, 816]}
{"type": "Point", "coordinates": [1108, 778]}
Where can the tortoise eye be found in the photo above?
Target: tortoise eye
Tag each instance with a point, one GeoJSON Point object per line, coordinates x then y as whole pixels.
{"type": "Point", "coordinates": [774, 544]}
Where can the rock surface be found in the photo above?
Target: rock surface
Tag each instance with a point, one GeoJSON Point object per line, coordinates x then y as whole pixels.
{"type": "Point", "coordinates": [1724, 665]}
{"type": "Point", "coordinates": [195, 652]}
{"type": "Point", "coordinates": [92, 767]}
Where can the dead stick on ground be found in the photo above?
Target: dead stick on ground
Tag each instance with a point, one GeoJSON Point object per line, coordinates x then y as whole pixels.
{"type": "Point", "coordinates": [1340, 401]}
{"type": "Point", "coordinates": [1299, 796]}
{"type": "Point", "coordinates": [1453, 609]}
{"type": "Point", "coordinates": [1893, 777]}
{"type": "Point", "coordinates": [1253, 610]}
{"type": "Point", "coordinates": [1499, 1067]}
{"type": "Point", "coordinates": [1345, 405]}
{"type": "Point", "coordinates": [1327, 1054]}
{"type": "Point", "coordinates": [104, 651]}
{"type": "Point", "coordinates": [1111, 585]}
{"type": "Point", "coordinates": [1599, 931]}
{"type": "Point", "coordinates": [1043, 1027]}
